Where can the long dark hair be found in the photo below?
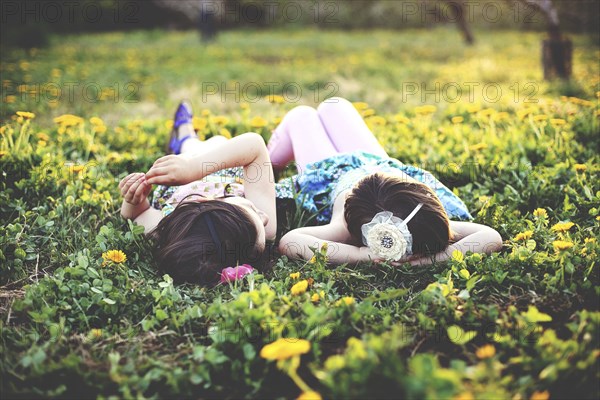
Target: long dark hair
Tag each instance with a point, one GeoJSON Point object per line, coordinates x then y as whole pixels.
{"type": "Point", "coordinates": [378, 192]}
{"type": "Point", "coordinates": [186, 248]}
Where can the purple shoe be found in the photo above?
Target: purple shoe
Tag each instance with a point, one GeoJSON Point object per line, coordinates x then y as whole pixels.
{"type": "Point", "coordinates": [183, 115]}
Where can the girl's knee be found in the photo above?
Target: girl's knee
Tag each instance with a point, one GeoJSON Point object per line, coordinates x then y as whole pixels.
{"type": "Point", "coordinates": [334, 102]}
{"type": "Point", "coordinates": [302, 112]}
{"type": "Point", "coordinates": [216, 139]}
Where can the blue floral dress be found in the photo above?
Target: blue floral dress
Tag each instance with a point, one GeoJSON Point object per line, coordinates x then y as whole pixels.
{"type": "Point", "coordinates": [321, 182]}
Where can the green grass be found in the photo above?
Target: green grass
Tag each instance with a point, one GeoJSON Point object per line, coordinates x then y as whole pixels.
{"type": "Point", "coordinates": [517, 323]}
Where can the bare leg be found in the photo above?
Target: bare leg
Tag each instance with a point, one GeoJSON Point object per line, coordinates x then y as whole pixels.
{"type": "Point", "coordinates": [193, 145]}
{"type": "Point", "coordinates": [300, 136]}
{"type": "Point", "coordinates": [346, 129]}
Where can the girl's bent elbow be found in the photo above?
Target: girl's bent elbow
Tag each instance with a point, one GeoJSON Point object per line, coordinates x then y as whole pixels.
{"type": "Point", "coordinates": [495, 242]}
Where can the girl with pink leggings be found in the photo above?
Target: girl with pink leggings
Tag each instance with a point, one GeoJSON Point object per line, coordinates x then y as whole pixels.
{"type": "Point", "coordinates": [370, 206]}
{"type": "Point", "coordinates": [307, 135]}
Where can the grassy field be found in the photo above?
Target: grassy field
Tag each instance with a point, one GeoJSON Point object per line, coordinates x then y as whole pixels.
{"type": "Point", "coordinates": [522, 323]}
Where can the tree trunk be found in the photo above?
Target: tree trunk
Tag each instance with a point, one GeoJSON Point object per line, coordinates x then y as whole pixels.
{"type": "Point", "coordinates": [557, 56]}
{"type": "Point", "coordinates": [557, 52]}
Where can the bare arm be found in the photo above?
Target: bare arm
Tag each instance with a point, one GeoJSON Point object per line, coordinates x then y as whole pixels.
{"type": "Point", "coordinates": [134, 189]}
{"type": "Point", "coordinates": [247, 150]}
{"type": "Point", "coordinates": [297, 243]}
{"type": "Point", "coordinates": [473, 237]}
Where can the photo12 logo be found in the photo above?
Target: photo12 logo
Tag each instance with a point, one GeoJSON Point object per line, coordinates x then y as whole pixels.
{"type": "Point", "coordinates": [251, 92]}
{"type": "Point", "coordinates": [68, 12]}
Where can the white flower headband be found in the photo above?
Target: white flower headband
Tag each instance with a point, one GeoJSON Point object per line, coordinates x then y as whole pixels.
{"type": "Point", "coordinates": [388, 236]}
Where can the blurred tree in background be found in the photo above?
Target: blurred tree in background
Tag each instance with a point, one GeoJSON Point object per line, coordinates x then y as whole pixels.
{"type": "Point", "coordinates": [27, 23]}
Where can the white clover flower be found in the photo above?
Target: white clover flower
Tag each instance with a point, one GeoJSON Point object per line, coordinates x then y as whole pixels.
{"type": "Point", "coordinates": [387, 241]}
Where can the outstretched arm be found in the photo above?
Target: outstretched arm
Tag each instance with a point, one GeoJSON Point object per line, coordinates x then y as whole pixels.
{"type": "Point", "coordinates": [247, 150]}
{"type": "Point", "coordinates": [473, 237]}
{"type": "Point", "coordinates": [297, 244]}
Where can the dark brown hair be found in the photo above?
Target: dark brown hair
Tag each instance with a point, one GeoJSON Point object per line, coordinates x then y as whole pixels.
{"type": "Point", "coordinates": [378, 192]}
{"type": "Point", "coordinates": [186, 249]}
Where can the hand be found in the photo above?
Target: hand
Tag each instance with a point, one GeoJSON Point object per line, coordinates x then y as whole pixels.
{"type": "Point", "coordinates": [134, 188]}
{"type": "Point", "coordinates": [413, 260]}
{"type": "Point", "coordinates": [171, 170]}
{"type": "Point", "coordinates": [367, 255]}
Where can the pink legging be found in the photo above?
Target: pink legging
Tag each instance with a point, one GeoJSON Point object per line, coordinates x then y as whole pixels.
{"type": "Point", "coordinates": [307, 135]}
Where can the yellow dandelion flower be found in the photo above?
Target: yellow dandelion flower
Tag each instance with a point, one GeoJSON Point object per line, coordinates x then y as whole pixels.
{"type": "Point", "coordinates": [377, 120]}
{"type": "Point", "coordinates": [501, 116]}
{"type": "Point", "coordinates": [589, 240]}
{"type": "Point", "coordinates": [96, 333]}
{"type": "Point", "coordinates": [225, 132]}
{"type": "Point", "coordinates": [315, 297]}
{"type": "Point", "coordinates": [457, 120]}
{"type": "Point", "coordinates": [564, 99]}
{"type": "Point", "coordinates": [425, 110]}
{"type": "Point", "coordinates": [347, 300]}
{"type": "Point", "coordinates": [26, 114]}
{"type": "Point", "coordinates": [401, 119]}
{"type": "Point", "coordinates": [43, 136]}
{"type": "Point", "coordinates": [309, 396]}
{"type": "Point", "coordinates": [10, 99]}
{"type": "Point", "coordinates": [78, 168]}
{"type": "Point", "coordinates": [277, 120]}
{"type": "Point", "coordinates": [487, 351]}
{"type": "Point", "coordinates": [464, 396]}
{"type": "Point", "coordinates": [219, 120]}
{"type": "Point", "coordinates": [368, 112]}
{"type": "Point", "coordinates": [312, 260]}
{"type": "Point", "coordinates": [199, 123]}
{"type": "Point", "coordinates": [275, 99]}
{"type": "Point", "coordinates": [68, 120]}
{"type": "Point", "coordinates": [282, 349]}
{"type": "Point", "coordinates": [360, 106]}
{"type": "Point", "coordinates": [478, 146]}
{"type": "Point", "coordinates": [580, 168]}
{"type": "Point", "coordinates": [562, 226]}
{"type": "Point", "coordinates": [116, 256]}
{"type": "Point", "coordinates": [486, 112]}
{"type": "Point", "coordinates": [258, 122]}
{"type": "Point", "coordinates": [473, 108]}
{"type": "Point", "coordinates": [557, 121]}
{"type": "Point", "coordinates": [169, 124]}
{"type": "Point", "coordinates": [524, 235]}
{"type": "Point", "coordinates": [99, 128]}
{"type": "Point", "coordinates": [541, 117]}
{"type": "Point", "coordinates": [540, 212]}
{"type": "Point", "coordinates": [598, 94]}
{"type": "Point", "coordinates": [205, 113]}
{"type": "Point", "coordinates": [562, 245]}
{"type": "Point", "coordinates": [521, 114]}
{"type": "Point", "coordinates": [97, 121]}
{"type": "Point", "coordinates": [299, 287]}
{"type": "Point", "coordinates": [295, 275]}
{"type": "Point", "coordinates": [545, 395]}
